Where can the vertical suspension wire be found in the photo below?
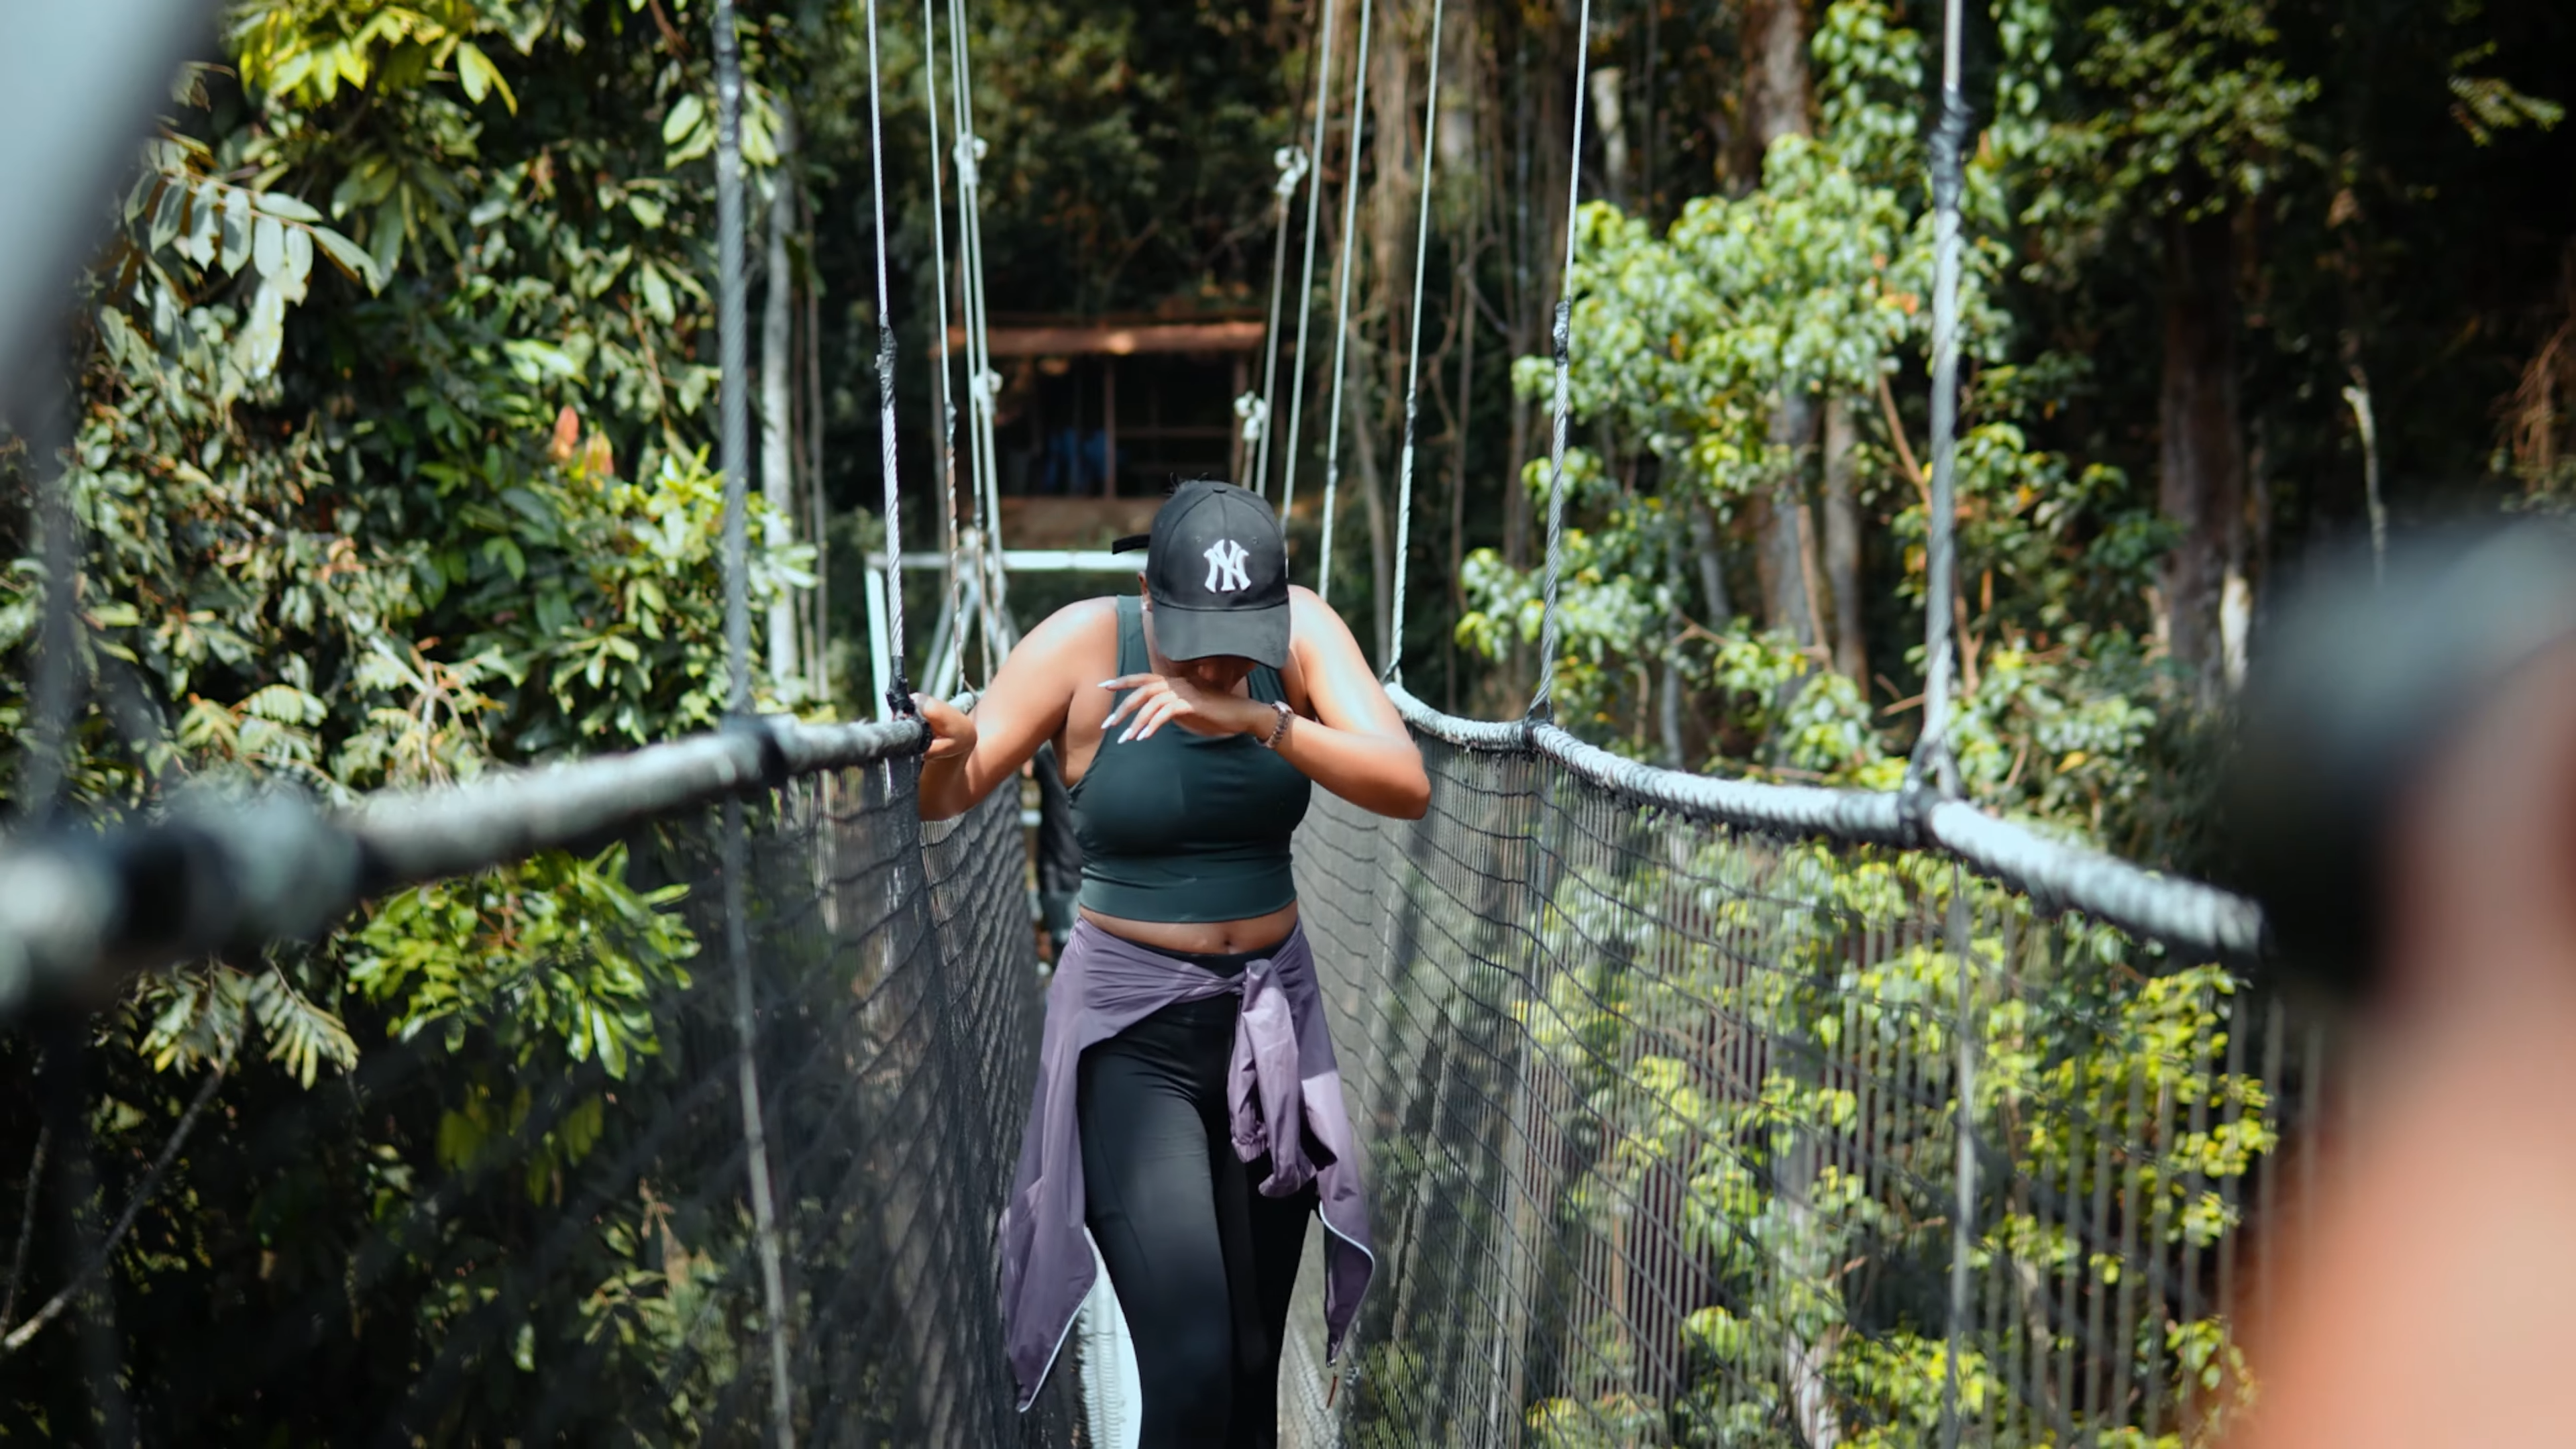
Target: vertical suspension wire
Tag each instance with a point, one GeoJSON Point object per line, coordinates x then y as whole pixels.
{"type": "Point", "coordinates": [1294, 162]}
{"type": "Point", "coordinates": [734, 452]}
{"type": "Point", "coordinates": [1561, 337]}
{"type": "Point", "coordinates": [1932, 768]}
{"type": "Point", "coordinates": [1393, 664]}
{"type": "Point", "coordinates": [1342, 308]}
{"type": "Point", "coordinates": [1293, 165]}
{"type": "Point", "coordinates": [956, 632]}
{"type": "Point", "coordinates": [1306, 275]}
{"type": "Point", "coordinates": [1963, 1225]}
{"type": "Point", "coordinates": [899, 690]}
{"type": "Point", "coordinates": [969, 277]}
{"type": "Point", "coordinates": [992, 578]}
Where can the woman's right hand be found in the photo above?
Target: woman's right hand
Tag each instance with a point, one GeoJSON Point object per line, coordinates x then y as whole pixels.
{"type": "Point", "coordinates": [952, 730]}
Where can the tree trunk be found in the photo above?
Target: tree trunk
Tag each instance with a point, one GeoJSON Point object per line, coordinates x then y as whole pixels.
{"type": "Point", "coordinates": [1395, 128]}
{"type": "Point", "coordinates": [1775, 105]}
{"type": "Point", "coordinates": [777, 383]}
{"type": "Point", "coordinates": [1786, 586]}
{"type": "Point", "coordinates": [1373, 502]}
{"type": "Point", "coordinates": [1537, 193]}
{"type": "Point", "coordinates": [1377, 412]}
{"type": "Point", "coordinates": [1610, 122]}
{"type": "Point", "coordinates": [1669, 707]}
{"type": "Point", "coordinates": [817, 506]}
{"type": "Point", "coordinates": [1712, 566]}
{"type": "Point", "coordinates": [1842, 542]}
{"type": "Point", "coordinates": [1775, 76]}
{"type": "Point", "coordinates": [2201, 449]}
{"type": "Point", "coordinates": [1462, 303]}
{"type": "Point", "coordinates": [1461, 87]}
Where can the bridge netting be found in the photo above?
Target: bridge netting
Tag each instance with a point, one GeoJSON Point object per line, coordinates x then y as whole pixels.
{"type": "Point", "coordinates": [1665, 1112]}
{"type": "Point", "coordinates": [486, 1233]}
{"type": "Point", "coordinates": [1665, 1119]}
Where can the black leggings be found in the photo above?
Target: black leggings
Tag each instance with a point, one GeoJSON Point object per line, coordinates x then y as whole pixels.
{"type": "Point", "coordinates": [1203, 1263]}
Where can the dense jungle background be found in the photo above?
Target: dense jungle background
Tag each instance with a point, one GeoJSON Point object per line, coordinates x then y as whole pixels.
{"type": "Point", "coordinates": [390, 434]}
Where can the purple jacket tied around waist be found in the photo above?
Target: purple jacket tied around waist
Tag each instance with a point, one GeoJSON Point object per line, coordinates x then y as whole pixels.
{"type": "Point", "coordinates": [1283, 1097]}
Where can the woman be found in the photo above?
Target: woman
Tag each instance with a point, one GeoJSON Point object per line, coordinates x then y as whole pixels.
{"type": "Point", "coordinates": [1187, 1108]}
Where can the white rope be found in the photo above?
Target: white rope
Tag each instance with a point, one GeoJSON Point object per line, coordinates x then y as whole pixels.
{"type": "Point", "coordinates": [1393, 664]}
{"type": "Point", "coordinates": [1342, 308]}
{"type": "Point", "coordinates": [954, 634]}
{"type": "Point", "coordinates": [1306, 276]}
{"type": "Point", "coordinates": [1293, 167]}
{"type": "Point", "coordinates": [1562, 338]}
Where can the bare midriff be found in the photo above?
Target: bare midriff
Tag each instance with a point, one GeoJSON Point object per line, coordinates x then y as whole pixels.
{"type": "Point", "coordinates": [1201, 937]}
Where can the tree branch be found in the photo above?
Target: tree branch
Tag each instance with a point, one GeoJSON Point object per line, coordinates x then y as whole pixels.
{"type": "Point", "coordinates": [670, 36]}
{"type": "Point", "coordinates": [26, 1226]}
{"type": "Point", "coordinates": [1904, 449]}
{"type": "Point", "coordinates": [54, 1306]}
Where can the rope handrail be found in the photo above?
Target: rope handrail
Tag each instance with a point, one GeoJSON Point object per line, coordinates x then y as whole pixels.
{"type": "Point", "coordinates": [79, 912]}
{"type": "Point", "coordinates": [2175, 910]}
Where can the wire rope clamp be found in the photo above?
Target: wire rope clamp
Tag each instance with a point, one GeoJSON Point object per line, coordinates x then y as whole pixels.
{"type": "Point", "coordinates": [899, 700]}
{"type": "Point", "coordinates": [1293, 166]}
{"type": "Point", "coordinates": [769, 757]}
{"type": "Point", "coordinates": [1931, 780]}
{"type": "Point", "coordinates": [1949, 144]}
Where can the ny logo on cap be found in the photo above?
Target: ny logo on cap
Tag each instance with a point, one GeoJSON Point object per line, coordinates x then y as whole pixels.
{"type": "Point", "coordinates": [1225, 567]}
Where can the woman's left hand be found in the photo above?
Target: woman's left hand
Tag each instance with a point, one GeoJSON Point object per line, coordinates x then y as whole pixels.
{"type": "Point", "coordinates": [1161, 699]}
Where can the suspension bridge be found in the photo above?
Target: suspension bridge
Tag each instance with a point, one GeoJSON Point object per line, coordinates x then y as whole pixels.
{"type": "Point", "coordinates": [1697, 1110]}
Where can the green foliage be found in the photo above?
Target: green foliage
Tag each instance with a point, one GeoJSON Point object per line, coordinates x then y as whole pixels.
{"type": "Point", "coordinates": [392, 459]}
{"type": "Point", "coordinates": [1816, 283]}
{"type": "Point", "coordinates": [2167, 105]}
{"type": "Point", "coordinates": [556, 955]}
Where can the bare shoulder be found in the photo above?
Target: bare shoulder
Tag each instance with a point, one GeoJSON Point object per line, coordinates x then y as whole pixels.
{"type": "Point", "coordinates": [1307, 611]}
{"type": "Point", "coordinates": [1074, 637]}
{"type": "Point", "coordinates": [1070, 643]}
{"type": "Point", "coordinates": [1083, 619]}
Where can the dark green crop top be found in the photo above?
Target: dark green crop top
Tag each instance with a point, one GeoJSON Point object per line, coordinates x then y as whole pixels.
{"type": "Point", "coordinates": [1184, 827]}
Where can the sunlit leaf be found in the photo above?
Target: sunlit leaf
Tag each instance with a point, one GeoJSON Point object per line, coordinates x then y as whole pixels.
{"type": "Point", "coordinates": [345, 254]}
{"type": "Point", "coordinates": [263, 334]}
{"type": "Point", "coordinates": [268, 247]}
{"type": "Point", "coordinates": [236, 230]}
{"type": "Point", "coordinates": [476, 72]}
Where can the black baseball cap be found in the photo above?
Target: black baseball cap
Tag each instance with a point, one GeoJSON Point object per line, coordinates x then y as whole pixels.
{"type": "Point", "coordinates": [1216, 568]}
